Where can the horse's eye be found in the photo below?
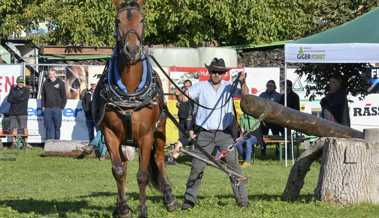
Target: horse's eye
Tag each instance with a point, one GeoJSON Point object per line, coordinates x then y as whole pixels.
{"type": "Point", "coordinates": [142, 20]}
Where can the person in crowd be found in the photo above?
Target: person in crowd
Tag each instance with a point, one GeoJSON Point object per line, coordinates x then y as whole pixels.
{"type": "Point", "coordinates": [273, 95]}
{"type": "Point", "coordinates": [54, 100]}
{"type": "Point", "coordinates": [334, 106]}
{"type": "Point", "coordinates": [185, 112]}
{"type": "Point", "coordinates": [87, 97]}
{"type": "Point", "coordinates": [250, 132]}
{"type": "Point", "coordinates": [213, 127]}
{"type": "Point", "coordinates": [293, 101]}
{"type": "Point", "coordinates": [18, 113]}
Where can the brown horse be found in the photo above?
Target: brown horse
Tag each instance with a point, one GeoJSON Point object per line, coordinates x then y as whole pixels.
{"type": "Point", "coordinates": [133, 118]}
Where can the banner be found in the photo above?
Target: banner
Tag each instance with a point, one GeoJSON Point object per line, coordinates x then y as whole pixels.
{"type": "Point", "coordinates": [8, 76]}
{"type": "Point", "coordinates": [332, 53]}
{"type": "Point", "coordinates": [73, 121]}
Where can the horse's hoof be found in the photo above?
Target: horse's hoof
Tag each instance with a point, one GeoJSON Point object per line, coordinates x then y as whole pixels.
{"type": "Point", "coordinates": [142, 211]}
{"type": "Point", "coordinates": [173, 205]}
{"type": "Point", "coordinates": [123, 212]}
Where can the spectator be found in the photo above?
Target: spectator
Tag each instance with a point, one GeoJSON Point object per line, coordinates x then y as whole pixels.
{"type": "Point", "coordinates": [293, 101]}
{"type": "Point", "coordinates": [53, 101]}
{"type": "Point", "coordinates": [18, 113]}
{"type": "Point", "coordinates": [185, 113]}
{"type": "Point", "coordinates": [87, 97]}
{"type": "Point", "coordinates": [274, 96]}
{"type": "Point", "coordinates": [250, 132]}
{"type": "Point", "coordinates": [334, 106]}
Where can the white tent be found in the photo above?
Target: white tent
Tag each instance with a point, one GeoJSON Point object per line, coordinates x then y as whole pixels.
{"type": "Point", "coordinates": [356, 41]}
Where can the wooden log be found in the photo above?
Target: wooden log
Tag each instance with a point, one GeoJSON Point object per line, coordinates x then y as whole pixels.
{"type": "Point", "coordinates": [300, 169]}
{"type": "Point", "coordinates": [348, 173]}
{"type": "Point", "coordinates": [293, 119]}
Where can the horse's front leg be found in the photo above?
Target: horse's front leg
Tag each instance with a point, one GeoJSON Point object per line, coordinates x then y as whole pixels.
{"type": "Point", "coordinates": [145, 147]}
{"type": "Point", "coordinates": [122, 209]}
{"type": "Point", "coordinates": [165, 187]}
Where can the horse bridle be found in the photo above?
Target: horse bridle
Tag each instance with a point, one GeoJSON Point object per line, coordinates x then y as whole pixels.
{"type": "Point", "coordinates": [122, 48]}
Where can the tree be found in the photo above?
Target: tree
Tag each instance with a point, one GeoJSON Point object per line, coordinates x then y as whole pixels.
{"type": "Point", "coordinates": [355, 77]}
{"type": "Point", "coordinates": [180, 22]}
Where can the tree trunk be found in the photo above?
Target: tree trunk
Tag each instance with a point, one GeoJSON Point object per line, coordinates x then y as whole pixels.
{"type": "Point", "coordinates": [300, 169]}
{"type": "Point", "coordinates": [293, 119]}
{"type": "Point", "coordinates": [348, 172]}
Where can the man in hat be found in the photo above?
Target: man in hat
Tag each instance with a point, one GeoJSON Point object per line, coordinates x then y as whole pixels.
{"type": "Point", "coordinates": [18, 113]}
{"type": "Point", "coordinates": [213, 127]}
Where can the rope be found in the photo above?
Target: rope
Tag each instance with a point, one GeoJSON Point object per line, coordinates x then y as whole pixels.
{"type": "Point", "coordinates": [234, 87]}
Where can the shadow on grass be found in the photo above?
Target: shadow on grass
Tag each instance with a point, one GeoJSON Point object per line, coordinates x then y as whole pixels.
{"type": "Point", "coordinates": [266, 197]}
{"type": "Point", "coordinates": [44, 207]}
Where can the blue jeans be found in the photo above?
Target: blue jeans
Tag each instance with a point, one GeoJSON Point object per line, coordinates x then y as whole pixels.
{"type": "Point", "coordinates": [246, 151]}
{"type": "Point", "coordinates": [53, 121]}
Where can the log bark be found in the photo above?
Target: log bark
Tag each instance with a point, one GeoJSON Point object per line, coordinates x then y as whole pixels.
{"type": "Point", "coordinates": [347, 173]}
{"type": "Point", "coordinates": [287, 117]}
{"type": "Point", "coordinates": [300, 169]}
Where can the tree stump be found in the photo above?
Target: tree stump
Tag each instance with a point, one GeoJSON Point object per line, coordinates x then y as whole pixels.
{"type": "Point", "coordinates": [347, 173]}
{"type": "Point", "coordinates": [349, 170]}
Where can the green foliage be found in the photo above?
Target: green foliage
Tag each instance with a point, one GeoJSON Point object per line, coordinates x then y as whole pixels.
{"type": "Point", "coordinates": [354, 76]}
{"type": "Point", "coordinates": [179, 22]}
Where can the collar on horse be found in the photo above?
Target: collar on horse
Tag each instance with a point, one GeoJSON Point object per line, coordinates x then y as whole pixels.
{"type": "Point", "coordinates": [114, 95]}
{"type": "Point", "coordinates": [115, 92]}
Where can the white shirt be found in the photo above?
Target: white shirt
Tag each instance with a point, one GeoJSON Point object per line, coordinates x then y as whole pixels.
{"type": "Point", "coordinates": [222, 116]}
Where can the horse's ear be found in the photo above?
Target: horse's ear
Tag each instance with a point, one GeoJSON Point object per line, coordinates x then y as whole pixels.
{"type": "Point", "coordinates": [117, 3]}
{"type": "Point", "coordinates": [140, 2]}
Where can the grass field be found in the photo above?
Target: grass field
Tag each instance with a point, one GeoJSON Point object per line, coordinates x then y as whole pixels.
{"type": "Point", "coordinates": [33, 186]}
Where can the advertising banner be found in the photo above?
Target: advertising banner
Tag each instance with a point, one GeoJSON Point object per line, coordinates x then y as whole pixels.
{"type": "Point", "coordinates": [73, 121]}
{"type": "Point", "coordinates": [332, 53]}
{"type": "Point", "coordinates": [8, 76]}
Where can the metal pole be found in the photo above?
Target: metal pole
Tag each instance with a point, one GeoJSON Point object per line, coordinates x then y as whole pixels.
{"type": "Point", "coordinates": [285, 104]}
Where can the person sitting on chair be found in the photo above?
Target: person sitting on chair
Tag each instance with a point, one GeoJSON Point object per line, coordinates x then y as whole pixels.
{"type": "Point", "coordinates": [249, 133]}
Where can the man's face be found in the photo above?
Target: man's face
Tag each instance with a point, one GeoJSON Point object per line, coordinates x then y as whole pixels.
{"type": "Point", "coordinates": [334, 85]}
{"type": "Point", "coordinates": [20, 85]}
{"type": "Point", "coordinates": [270, 87]}
{"type": "Point", "coordinates": [216, 77]}
{"type": "Point", "coordinates": [93, 86]}
{"type": "Point", "coordinates": [187, 85]}
{"type": "Point", "coordinates": [52, 75]}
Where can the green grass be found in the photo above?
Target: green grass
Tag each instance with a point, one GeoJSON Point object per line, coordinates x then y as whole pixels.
{"type": "Point", "coordinates": [34, 186]}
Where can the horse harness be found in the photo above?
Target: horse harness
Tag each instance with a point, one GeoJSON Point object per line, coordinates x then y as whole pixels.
{"type": "Point", "coordinates": [124, 104]}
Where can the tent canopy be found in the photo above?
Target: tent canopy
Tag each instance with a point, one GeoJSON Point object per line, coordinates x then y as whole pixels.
{"type": "Point", "coordinates": [356, 41]}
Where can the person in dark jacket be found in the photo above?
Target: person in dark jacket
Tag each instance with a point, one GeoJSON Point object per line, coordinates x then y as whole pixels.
{"type": "Point", "coordinates": [270, 94]}
{"type": "Point", "coordinates": [185, 113]}
{"type": "Point", "coordinates": [53, 101]}
{"type": "Point", "coordinates": [335, 105]}
{"type": "Point", "coordinates": [293, 101]}
{"type": "Point", "coordinates": [18, 113]}
{"type": "Point", "coordinates": [87, 108]}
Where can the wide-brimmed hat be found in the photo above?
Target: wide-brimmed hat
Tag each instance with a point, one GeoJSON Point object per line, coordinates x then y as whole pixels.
{"type": "Point", "coordinates": [217, 65]}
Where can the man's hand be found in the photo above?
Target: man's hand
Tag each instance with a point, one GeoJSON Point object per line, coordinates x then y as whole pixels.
{"type": "Point", "coordinates": [176, 150]}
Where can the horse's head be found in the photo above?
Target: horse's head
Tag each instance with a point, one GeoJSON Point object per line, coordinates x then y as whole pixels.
{"type": "Point", "coordinates": [129, 29]}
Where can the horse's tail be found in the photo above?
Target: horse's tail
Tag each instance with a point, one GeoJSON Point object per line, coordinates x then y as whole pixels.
{"type": "Point", "coordinates": [155, 177]}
